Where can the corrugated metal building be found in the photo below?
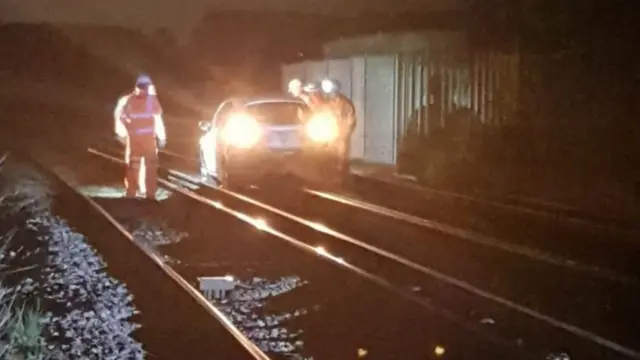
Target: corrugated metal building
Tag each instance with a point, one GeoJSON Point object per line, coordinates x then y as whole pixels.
{"type": "Point", "coordinates": [410, 82]}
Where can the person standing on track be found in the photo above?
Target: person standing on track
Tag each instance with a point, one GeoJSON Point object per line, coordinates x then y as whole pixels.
{"type": "Point", "coordinates": [345, 111]}
{"type": "Point", "coordinates": [295, 89]}
{"type": "Point", "coordinates": [139, 125]}
{"type": "Point", "coordinates": [309, 93]}
{"type": "Point", "coordinates": [314, 97]}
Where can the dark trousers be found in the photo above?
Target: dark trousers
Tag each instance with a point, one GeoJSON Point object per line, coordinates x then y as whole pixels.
{"type": "Point", "coordinates": [132, 175]}
{"type": "Point", "coordinates": [140, 148]}
{"type": "Point", "coordinates": [345, 150]}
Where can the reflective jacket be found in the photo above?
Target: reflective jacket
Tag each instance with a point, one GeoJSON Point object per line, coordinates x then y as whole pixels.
{"type": "Point", "coordinates": [137, 114]}
{"type": "Point", "coordinates": [138, 118]}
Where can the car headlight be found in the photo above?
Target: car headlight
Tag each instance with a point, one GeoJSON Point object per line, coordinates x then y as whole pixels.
{"type": "Point", "coordinates": [322, 128]}
{"type": "Point", "coordinates": [241, 130]}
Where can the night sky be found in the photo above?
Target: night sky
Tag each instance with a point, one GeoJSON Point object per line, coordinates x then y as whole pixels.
{"type": "Point", "coordinates": [180, 16]}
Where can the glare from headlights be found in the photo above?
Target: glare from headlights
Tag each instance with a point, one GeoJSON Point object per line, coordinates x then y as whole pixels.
{"type": "Point", "coordinates": [241, 130]}
{"type": "Point", "coordinates": [322, 128]}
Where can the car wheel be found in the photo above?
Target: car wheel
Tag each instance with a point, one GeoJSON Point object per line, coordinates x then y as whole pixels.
{"type": "Point", "coordinates": [234, 185]}
{"type": "Point", "coordinates": [231, 183]}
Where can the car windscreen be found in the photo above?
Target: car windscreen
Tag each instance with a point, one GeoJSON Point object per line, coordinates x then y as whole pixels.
{"type": "Point", "coordinates": [279, 113]}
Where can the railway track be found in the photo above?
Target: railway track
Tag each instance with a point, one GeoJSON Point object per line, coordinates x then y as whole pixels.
{"type": "Point", "coordinates": [349, 309]}
{"type": "Point", "coordinates": [518, 204]}
{"type": "Point", "coordinates": [529, 208]}
{"type": "Point", "coordinates": [608, 253]}
{"type": "Point", "coordinates": [465, 282]}
{"type": "Point", "coordinates": [584, 299]}
{"type": "Point", "coordinates": [168, 305]}
{"type": "Point", "coordinates": [542, 213]}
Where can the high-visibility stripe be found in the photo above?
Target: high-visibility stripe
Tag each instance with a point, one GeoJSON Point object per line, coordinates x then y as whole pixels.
{"type": "Point", "coordinates": [148, 113]}
{"type": "Point", "coordinates": [146, 130]}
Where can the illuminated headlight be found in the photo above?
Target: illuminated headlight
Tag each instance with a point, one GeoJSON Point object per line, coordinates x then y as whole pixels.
{"type": "Point", "coordinates": [322, 128]}
{"type": "Point", "coordinates": [241, 130]}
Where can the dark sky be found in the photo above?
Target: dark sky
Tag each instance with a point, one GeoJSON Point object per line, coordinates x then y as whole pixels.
{"type": "Point", "coordinates": [180, 16]}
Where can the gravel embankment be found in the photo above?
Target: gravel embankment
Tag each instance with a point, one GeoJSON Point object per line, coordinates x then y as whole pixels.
{"type": "Point", "coordinates": [82, 312]}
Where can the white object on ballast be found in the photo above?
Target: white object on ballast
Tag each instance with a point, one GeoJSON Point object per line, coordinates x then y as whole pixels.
{"type": "Point", "coordinates": [216, 287]}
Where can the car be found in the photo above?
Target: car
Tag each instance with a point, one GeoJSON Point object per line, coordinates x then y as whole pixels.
{"type": "Point", "coordinates": [254, 139]}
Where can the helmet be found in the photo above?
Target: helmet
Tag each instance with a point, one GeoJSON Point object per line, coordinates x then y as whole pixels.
{"type": "Point", "coordinates": [295, 86]}
{"type": "Point", "coordinates": [330, 86]}
{"type": "Point", "coordinates": [143, 80]}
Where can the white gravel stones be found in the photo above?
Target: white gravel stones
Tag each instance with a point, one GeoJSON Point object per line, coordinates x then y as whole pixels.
{"type": "Point", "coordinates": [87, 310]}
{"type": "Point", "coordinates": [245, 308]}
{"type": "Point", "coordinates": [96, 306]}
{"type": "Point", "coordinates": [156, 234]}
{"type": "Point", "coordinates": [152, 235]}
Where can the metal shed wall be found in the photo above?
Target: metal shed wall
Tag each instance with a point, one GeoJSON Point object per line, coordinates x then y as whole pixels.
{"type": "Point", "coordinates": [414, 92]}
{"type": "Point", "coordinates": [379, 125]}
{"type": "Point", "coordinates": [357, 83]}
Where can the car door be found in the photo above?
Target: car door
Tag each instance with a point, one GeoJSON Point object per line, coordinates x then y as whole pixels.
{"type": "Point", "coordinates": [219, 117]}
{"type": "Point", "coordinates": [221, 113]}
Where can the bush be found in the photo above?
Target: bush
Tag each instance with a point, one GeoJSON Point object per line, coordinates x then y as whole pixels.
{"type": "Point", "coordinates": [20, 325]}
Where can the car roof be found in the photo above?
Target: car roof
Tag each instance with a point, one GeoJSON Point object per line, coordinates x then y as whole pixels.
{"type": "Point", "coordinates": [254, 100]}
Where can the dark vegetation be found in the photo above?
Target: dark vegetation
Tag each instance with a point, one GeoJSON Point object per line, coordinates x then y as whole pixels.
{"type": "Point", "coordinates": [575, 135]}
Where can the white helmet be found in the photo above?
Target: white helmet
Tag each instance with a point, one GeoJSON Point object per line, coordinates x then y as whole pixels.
{"type": "Point", "coordinates": [330, 86]}
{"type": "Point", "coordinates": [295, 87]}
